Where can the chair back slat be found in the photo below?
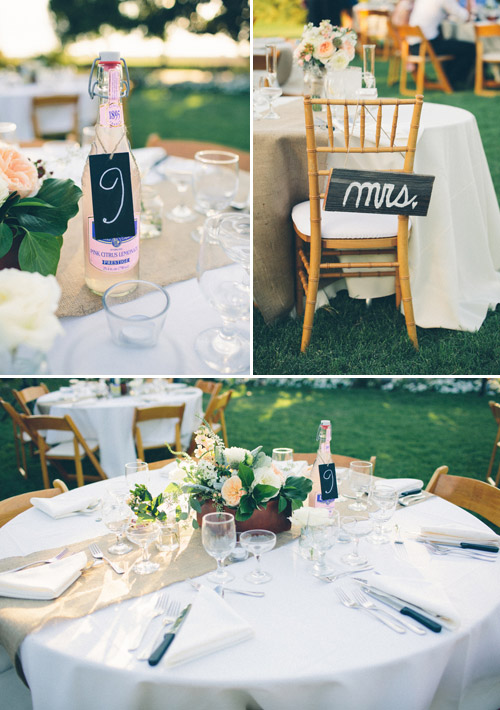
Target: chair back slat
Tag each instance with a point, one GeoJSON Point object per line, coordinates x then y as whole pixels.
{"type": "Point", "coordinates": [378, 127]}
{"type": "Point", "coordinates": [346, 126]}
{"type": "Point", "coordinates": [362, 127]}
{"type": "Point", "coordinates": [492, 30]}
{"type": "Point", "coordinates": [469, 493]}
{"type": "Point", "coordinates": [29, 394]}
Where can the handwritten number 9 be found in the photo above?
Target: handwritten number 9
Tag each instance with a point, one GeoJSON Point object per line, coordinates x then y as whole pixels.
{"type": "Point", "coordinates": [328, 476]}
{"type": "Point", "coordinates": [112, 187]}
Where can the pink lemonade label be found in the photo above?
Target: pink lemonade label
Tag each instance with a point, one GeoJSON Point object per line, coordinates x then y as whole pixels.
{"type": "Point", "coordinates": [114, 255]}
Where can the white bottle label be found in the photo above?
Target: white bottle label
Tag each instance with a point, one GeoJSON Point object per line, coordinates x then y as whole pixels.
{"type": "Point", "coordinates": [114, 255]}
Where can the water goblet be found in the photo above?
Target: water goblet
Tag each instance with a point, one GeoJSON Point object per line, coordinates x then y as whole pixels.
{"type": "Point", "coordinates": [257, 542]}
{"type": "Point", "coordinates": [183, 180]}
{"type": "Point", "coordinates": [142, 533]}
{"type": "Point", "coordinates": [322, 538]}
{"type": "Point", "coordinates": [385, 498]}
{"type": "Point", "coordinates": [215, 183]}
{"type": "Point", "coordinates": [360, 479]}
{"type": "Point", "coordinates": [356, 528]}
{"type": "Point", "coordinates": [218, 535]}
{"type": "Point", "coordinates": [269, 88]}
{"type": "Point", "coordinates": [116, 516]}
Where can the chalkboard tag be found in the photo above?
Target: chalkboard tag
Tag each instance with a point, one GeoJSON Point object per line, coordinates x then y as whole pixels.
{"type": "Point", "coordinates": [112, 195]}
{"type": "Point", "coordinates": [328, 481]}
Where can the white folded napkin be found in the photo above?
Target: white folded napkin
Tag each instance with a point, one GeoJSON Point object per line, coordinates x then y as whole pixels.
{"type": "Point", "coordinates": [62, 506]}
{"type": "Point", "coordinates": [47, 581]}
{"type": "Point", "coordinates": [210, 626]}
{"type": "Point", "coordinates": [458, 533]}
{"type": "Point", "coordinates": [427, 597]}
{"type": "Point", "coordinates": [403, 484]}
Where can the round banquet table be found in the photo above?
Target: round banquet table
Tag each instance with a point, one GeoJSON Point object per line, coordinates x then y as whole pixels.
{"type": "Point", "coordinates": [109, 421]}
{"type": "Point", "coordinates": [454, 252]}
{"type": "Point", "coordinates": [308, 650]}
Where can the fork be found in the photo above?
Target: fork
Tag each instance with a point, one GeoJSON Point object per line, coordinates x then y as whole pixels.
{"type": "Point", "coordinates": [399, 542]}
{"type": "Point", "coordinates": [338, 575]}
{"type": "Point", "coordinates": [368, 604]}
{"type": "Point", "coordinates": [351, 604]}
{"type": "Point", "coordinates": [96, 552]}
{"type": "Point", "coordinates": [159, 609]}
{"type": "Point", "coordinates": [172, 612]}
{"type": "Point", "coordinates": [39, 562]}
{"type": "Point", "coordinates": [459, 553]}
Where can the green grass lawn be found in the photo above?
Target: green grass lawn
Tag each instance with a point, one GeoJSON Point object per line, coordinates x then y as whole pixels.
{"type": "Point", "coordinates": [349, 338]}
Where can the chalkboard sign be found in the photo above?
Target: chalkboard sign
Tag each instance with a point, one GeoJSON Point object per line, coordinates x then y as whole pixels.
{"type": "Point", "coordinates": [112, 195]}
{"type": "Point", "coordinates": [378, 192]}
{"type": "Point", "coordinates": [328, 481]}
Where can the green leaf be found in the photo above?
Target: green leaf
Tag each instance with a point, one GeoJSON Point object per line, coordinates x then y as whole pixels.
{"type": "Point", "coordinates": [40, 252]}
{"type": "Point", "coordinates": [246, 475]}
{"type": "Point", "coordinates": [247, 505]}
{"type": "Point", "coordinates": [6, 238]}
{"type": "Point", "coordinates": [51, 209]}
{"type": "Point", "coordinates": [262, 492]}
{"type": "Point", "coordinates": [282, 504]}
{"type": "Point", "coordinates": [240, 515]}
{"type": "Point", "coordinates": [195, 524]}
{"type": "Point", "coordinates": [63, 194]}
{"type": "Point", "coordinates": [195, 504]}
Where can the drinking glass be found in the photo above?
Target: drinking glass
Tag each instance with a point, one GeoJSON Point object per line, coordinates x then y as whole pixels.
{"type": "Point", "coordinates": [356, 528]}
{"type": "Point", "coordinates": [227, 288]}
{"type": "Point", "coordinates": [218, 535]}
{"type": "Point", "coordinates": [8, 132]}
{"type": "Point", "coordinates": [135, 312]}
{"type": "Point", "coordinates": [168, 536]}
{"type": "Point", "coordinates": [183, 180]}
{"type": "Point", "coordinates": [269, 88]}
{"type": "Point", "coordinates": [272, 63]}
{"type": "Point", "coordinates": [142, 533]}
{"type": "Point", "coordinates": [136, 472]}
{"type": "Point", "coordinates": [342, 474]}
{"type": "Point", "coordinates": [322, 537]}
{"type": "Point", "coordinates": [116, 516]}
{"type": "Point", "coordinates": [151, 213]}
{"type": "Point", "coordinates": [385, 498]}
{"type": "Point", "coordinates": [260, 104]}
{"type": "Point", "coordinates": [369, 66]}
{"type": "Point", "coordinates": [282, 458]}
{"type": "Point", "coordinates": [215, 183]}
{"type": "Point", "coordinates": [257, 542]}
{"type": "Point", "coordinates": [360, 479]}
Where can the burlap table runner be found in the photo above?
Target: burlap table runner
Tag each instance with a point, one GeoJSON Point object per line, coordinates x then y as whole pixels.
{"type": "Point", "coordinates": [167, 259]}
{"type": "Point", "coordinates": [100, 586]}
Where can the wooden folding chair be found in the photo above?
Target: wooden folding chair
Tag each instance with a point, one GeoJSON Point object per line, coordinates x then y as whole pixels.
{"type": "Point", "coordinates": [215, 414]}
{"type": "Point", "coordinates": [29, 394]}
{"type": "Point", "coordinates": [319, 238]}
{"type": "Point", "coordinates": [21, 437]}
{"type": "Point", "coordinates": [495, 410]}
{"type": "Point", "coordinates": [425, 56]}
{"type": "Point", "coordinates": [10, 507]}
{"type": "Point", "coordinates": [469, 493]}
{"type": "Point", "coordinates": [372, 29]}
{"type": "Point", "coordinates": [211, 387]}
{"type": "Point", "coordinates": [394, 54]}
{"type": "Point", "coordinates": [146, 414]}
{"type": "Point", "coordinates": [486, 57]}
{"type": "Point", "coordinates": [41, 103]}
{"type": "Point", "coordinates": [75, 450]}
{"type": "Point", "coordinates": [187, 149]}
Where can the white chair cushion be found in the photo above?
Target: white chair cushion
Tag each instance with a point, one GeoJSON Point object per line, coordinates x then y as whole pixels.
{"type": "Point", "coordinates": [346, 225]}
{"type": "Point", "coordinates": [66, 449]}
{"type": "Point", "coordinates": [491, 57]}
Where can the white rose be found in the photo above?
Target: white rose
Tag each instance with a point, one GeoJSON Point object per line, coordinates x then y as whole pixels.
{"type": "Point", "coordinates": [177, 475]}
{"type": "Point", "coordinates": [340, 60]}
{"type": "Point", "coordinates": [4, 190]}
{"type": "Point", "coordinates": [28, 302]}
{"type": "Point", "coordinates": [309, 516]}
{"type": "Point", "coordinates": [266, 477]}
{"type": "Point", "coordinates": [235, 455]}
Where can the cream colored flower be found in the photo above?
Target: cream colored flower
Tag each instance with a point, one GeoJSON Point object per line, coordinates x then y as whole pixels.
{"type": "Point", "coordinates": [232, 491]}
{"type": "Point", "coordinates": [324, 50]}
{"type": "Point", "coordinates": [266, 476]}
{"type": "Point", "coordinates": [4, 190]}
{"type": "Point", "coordinates": [234, 455]}
{"type": "Point", "coordinates": [309, 516]}
{"type": "Point", "coordinates": [339, 60]}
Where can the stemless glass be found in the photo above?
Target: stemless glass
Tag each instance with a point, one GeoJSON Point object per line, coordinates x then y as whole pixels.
{"type": "Point", "coordinates": [322, 538]}
{"type": "Point", "coordinates": [283, 459]}
{"type": "Point", "coordinates": [227, 288]}
{"type": "Point", "coordinates": [360, 479]}
{"type": "Point", "coordinates": [116, 516]}
{"type": "Point", "coordinates": [215, 183]}
{"type": "Point", "coordinates": [142, 533]}
{"type": "Point", "coordinates": [385, 498]}
{"type": "Point", "coordinates": [257, 542]}
{"type": "Point", "coordinates": [218, 535]}
{"type": "Point", "coordinates": [356, 528]}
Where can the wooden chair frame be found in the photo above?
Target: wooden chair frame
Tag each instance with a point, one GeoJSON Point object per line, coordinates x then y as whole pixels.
{"type": "Point", "coordinates": [187, 149]}
{"type": "Point", "coordinates": [10, 507]}
{"type": "Point", "coordinates": [215, 413]}
{"type": "Point", "coordinates": [483, 32]}
{"type": "Point", "coordinates": [28, 394]}
{"type": "Point", "coordinates": [38, 424]}
{"type": "Point", "coordinates": [41, 102]}
{"type": "Point", "coordinates": [19, 428]}
{"type": "Point", "coordinates": [469, 493]}
{"type": "Point", "coordinates": [320, 260]}
{"type": "Point", "coordinates": [364, 36]}
{"type": "Point", "coordinates": [495, 410]}
{"type": "Point", "coordinates": [144, 414]}
{"type": "Point", "coordinates": [426, 54]}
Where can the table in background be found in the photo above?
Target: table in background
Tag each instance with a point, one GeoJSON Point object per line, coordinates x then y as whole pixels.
{"type": "Point", "coordinates": [109, 421]}
{"type": "Point", "coordinates": [454, 252]}
{"type": "Point", "coordinates": [308, 650]}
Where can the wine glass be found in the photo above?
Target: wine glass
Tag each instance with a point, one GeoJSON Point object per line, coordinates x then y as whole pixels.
{"type": "Point", "coordinates": [257, 542]}
{"type": "Point", "coordinates": [385, 498]}
{"type": "Point", "coordinates": [360, 479]}
{"type": "Point", "coordinates": [183, 180]}
{"type": "Point", "coordinates": [227, 288]}
{"type": "Point", "coordinates": [142, 533]}
{"type": "Point", "coordinates": [116, 516]}
{"type": "Point", "coordinates": [218, 535]}
{"type": "Point", "coordinates": [269, 88]}
{"type": "Point", "coordinates": [215, 183]}
{"type": "Point", "coordinates": [136, 472]}
{"type": "Point", "coordinates": [322, 537]}
{"type": "Point", "coordinates": [356, 528]}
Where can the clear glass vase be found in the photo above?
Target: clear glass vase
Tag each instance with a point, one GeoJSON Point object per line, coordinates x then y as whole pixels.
{"type": "Point", "coordinates": [314, 84]}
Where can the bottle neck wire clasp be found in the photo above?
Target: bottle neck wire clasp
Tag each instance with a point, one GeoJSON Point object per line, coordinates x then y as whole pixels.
{"type": "Point", "coordinates": [94, 87]}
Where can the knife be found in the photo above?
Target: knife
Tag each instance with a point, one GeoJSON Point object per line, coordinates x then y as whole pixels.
{"type": "Point", "coordinates": [157, 654]}
{"type": "Point", "coordinates": [400, 606]}
{"type": "Point", "coordinates": [466, 545]}
{"type": "Point", "coordinates": [413, 492]}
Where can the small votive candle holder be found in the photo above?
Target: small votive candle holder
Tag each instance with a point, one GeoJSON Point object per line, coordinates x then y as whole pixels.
{"type": "Point", "coordinates": [136, 311]}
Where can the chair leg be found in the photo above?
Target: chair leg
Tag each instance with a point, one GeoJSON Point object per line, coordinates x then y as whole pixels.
{"type": "Point", "coordinates": [223, 427]}
{"type": "Point", "coordinates": [404, 72]}
{"type": "Point", "coordinates": [398, 288]}
{"type": "Point", "coordinates": [404, 277]}
{"type": "Point", "coordinates": [299, 291]}
{"type": "Point", "coordinates": [442, 78]}
{"type": "Point", "coordinates": [420, 78]}
{"type": "Point", "coordinates": [312, 292]}
{"type": "Point", "coordinates": [45, 473]}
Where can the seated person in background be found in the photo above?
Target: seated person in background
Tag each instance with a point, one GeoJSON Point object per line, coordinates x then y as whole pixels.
{"type": "Point", "coordinates": [428, 15]}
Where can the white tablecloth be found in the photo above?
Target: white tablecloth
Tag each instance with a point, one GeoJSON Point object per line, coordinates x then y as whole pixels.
{"type": "Point", "coordinates": [109, 421]}
{"type": "Point", "coordinates": [16, 101]}
{"type": "Point", "coordinates": [308, 650]}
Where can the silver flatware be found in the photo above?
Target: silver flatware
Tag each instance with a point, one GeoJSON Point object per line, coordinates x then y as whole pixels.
{"type": "Point", "coordinates": [352, 604]}
{"type": "Point", "coordinates": [158, 653]}
{"type": "Point", "coordinates": [404, 608]}
{"type": "Point", "coordinates": [59, 556]}
{"type": "Point", "coordinates": [159, 608]}
{"type": "Point", "coordinates": [220, 589]}
{"type": "Point", "coordinates": [459, 552]}
{"type": "Point", "coordinates": [96, 552]}
{"type": "Point", "coordinates": [338, 575]}
{"type": "Point", "coordinates": [168, 619]}
{"type": "Point", "coordinates": [368, 604]}
{"type": "Point", "coordinates": [410, 499]}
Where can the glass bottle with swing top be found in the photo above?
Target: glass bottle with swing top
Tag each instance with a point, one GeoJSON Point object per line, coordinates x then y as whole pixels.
{"type": "Point", "coordinates": [110, 260]}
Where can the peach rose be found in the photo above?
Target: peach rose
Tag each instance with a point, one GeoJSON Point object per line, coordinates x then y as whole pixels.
{"type": "Point", "coordinates": [232, 490]}
{"type": "Point", "coordinates": [325, 50]}
{"type": "Point", "coordinates": [18, 172]}
{"type": "Point", "coordinates": [349, 49]}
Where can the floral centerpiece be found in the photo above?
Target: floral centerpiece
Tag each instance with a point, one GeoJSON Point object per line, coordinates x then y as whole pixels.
{"type": "Point", "coordinates": [325, 46]}
{"type": "Point", "coordinates": [34, 212]}
{"type": "Point", "coordinates": [241, 481]}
